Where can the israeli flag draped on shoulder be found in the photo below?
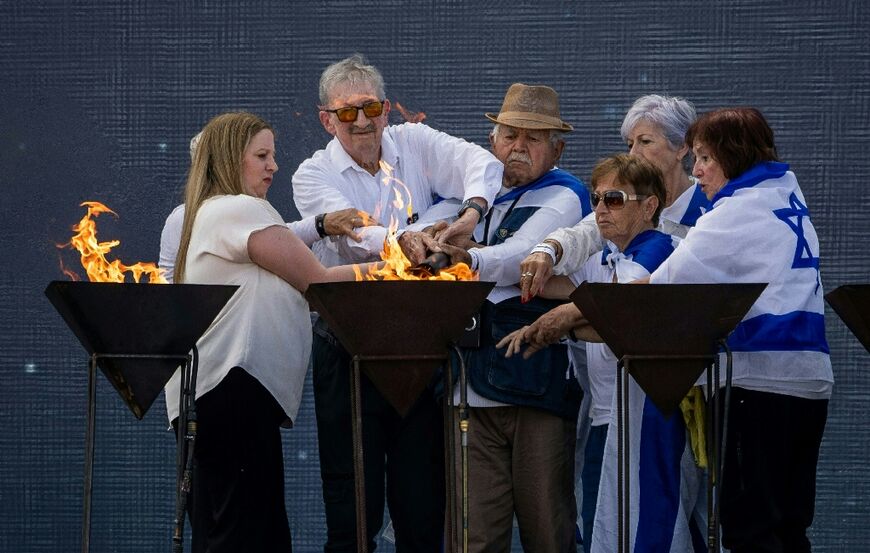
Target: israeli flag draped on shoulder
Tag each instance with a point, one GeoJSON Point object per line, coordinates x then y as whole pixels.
{"type": "Point", "coordinates": [667, 496]}
{"type": "Point", "coordinates": [648, 249]}
{"type": "Point", "coordinates": [677, 218]}
{"type": "Point", "coordinates": [759, 230]}
{"type": "Point", "coordinates": [553, 177]}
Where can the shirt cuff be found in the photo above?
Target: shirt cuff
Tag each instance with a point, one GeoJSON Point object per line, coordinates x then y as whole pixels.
{"type": "Point", "coordinates": [305, 230]}
{"type": "Point", "coordinates": [475, 258]}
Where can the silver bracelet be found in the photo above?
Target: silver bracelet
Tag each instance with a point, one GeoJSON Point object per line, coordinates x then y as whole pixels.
{"type": "Point", "coordinates": [543, 247]}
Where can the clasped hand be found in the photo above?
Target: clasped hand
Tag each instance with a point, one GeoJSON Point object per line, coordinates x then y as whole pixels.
{"type": "Point", "coordinates": [418, 245]}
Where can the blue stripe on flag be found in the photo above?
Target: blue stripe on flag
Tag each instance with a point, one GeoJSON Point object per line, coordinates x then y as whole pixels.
{"type": "Point", "coordinates": [662, 441]}
{"type": "Point", "coordinates": [795, 331]}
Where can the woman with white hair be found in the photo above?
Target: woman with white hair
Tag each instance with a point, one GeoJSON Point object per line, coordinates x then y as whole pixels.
{"type": "Point", "coordinates": [654, 128]}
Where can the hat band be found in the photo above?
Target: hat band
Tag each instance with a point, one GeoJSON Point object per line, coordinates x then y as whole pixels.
{"type": "Point", "coordinates": [527, 116]}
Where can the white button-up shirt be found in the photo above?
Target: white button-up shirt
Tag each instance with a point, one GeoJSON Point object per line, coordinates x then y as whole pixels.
{"type": "Point", "coordinates": [425, 164]}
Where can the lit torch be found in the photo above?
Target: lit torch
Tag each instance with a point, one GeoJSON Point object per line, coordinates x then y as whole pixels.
{"type": "Point", "coordinates": [397, 266]}
{"type": "Point", "coordinates": [93, 253]}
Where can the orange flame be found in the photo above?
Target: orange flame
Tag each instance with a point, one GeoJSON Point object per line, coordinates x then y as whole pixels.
{"type": "Point", "coordinates": [398, 202]}
{"type": "Point", "coordinates": [93, 253]}
{"type": "Point", "coordinates": [66, 270]}
{"type": "Point", "coordinates": [411, 116]}
{"type": "Point", "coordinates": [397, 266]}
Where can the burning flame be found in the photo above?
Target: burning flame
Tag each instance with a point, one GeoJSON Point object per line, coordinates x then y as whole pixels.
{"type": "Point", "coordinates": [397, 266]}
{"type": "Point", "coordinates": [93, 253]}
{"type": "Point", "coordinates": [411, 116]}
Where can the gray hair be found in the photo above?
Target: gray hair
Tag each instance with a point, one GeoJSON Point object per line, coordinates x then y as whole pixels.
{"type": "Point", "coordinates": [671, 114]}
{"type": "Point", "coordinates": [354, 70]}
{"type": "Point", "coordinates": [556, 135]}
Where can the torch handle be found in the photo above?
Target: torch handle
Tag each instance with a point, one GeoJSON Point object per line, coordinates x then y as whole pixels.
{"type": "Point", "coordinates": [434, 263]}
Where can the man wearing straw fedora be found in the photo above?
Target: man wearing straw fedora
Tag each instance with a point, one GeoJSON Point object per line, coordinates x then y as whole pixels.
{"type": "Point", "coordinates": [522, 413]}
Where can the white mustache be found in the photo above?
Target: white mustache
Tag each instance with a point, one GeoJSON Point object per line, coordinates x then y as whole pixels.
{"type": "Point", "coordinates": [357, 130]}
{"type": "Point", "coordinates": [521, 157]}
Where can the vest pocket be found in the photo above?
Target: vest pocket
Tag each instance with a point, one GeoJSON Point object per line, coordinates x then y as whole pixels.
{"type": "Point", "coordinates": [527, 377]}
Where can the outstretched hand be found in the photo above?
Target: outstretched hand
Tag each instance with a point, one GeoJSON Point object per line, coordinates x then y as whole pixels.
{"type": "Point", "coordinates": [346, 221]}
{"type": "Point", "coordinates": [460, 229]}
{"type": "Point", "coordinates": [548, 329]}
{"type": "Point", "coordinates": [535, 270]}
{"type": "Point", "coordinates": [513, 342]}
{"type": "Point", "coordinates": [457, 254]}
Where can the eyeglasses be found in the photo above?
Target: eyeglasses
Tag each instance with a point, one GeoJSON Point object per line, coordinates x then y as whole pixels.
{"type": "Point", "coordinates": [349, 114]}
{"type": "Point", "coordinates": [615, 199]}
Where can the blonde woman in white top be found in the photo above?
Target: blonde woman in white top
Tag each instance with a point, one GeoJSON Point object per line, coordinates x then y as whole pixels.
{"type": "Point", "coordinates": [253, 358]}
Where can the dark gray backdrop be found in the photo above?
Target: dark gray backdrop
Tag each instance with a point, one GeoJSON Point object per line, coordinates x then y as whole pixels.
{"type": "Point", "coordinates": [99, 100]}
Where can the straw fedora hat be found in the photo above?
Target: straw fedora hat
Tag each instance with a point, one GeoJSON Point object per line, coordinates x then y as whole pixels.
{"type": "Point", "coordinates": [530, 107]}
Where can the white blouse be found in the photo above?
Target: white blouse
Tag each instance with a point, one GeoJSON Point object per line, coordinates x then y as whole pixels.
{"type": "Point", "coordinates": [265, 327]}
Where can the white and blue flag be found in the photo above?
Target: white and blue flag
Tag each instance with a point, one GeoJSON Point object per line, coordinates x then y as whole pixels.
{"type": "Point", "coordinates": [668, 505]}
{"type": "Point", "coordinates": [759, 230]}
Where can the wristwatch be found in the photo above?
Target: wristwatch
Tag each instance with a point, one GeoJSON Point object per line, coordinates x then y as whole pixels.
{"type": "Point", "coordinates": [473, 205]}
{"type": "Point", "coordinates": [320, 224]}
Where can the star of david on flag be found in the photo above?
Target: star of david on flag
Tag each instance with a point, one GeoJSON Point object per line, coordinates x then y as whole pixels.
{"type": "Point", "coordinates": [793, 216]}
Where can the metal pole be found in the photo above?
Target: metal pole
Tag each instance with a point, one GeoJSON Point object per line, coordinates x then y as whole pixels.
{"type": "Point", "coordinates": [451, 538]}
{"type": "Point", "coordinates": [721, 444]}
{"type": "Point", "coordinates": [619, 465]}
{"type": "Point", "coordinates": [358, 467]}
{"type": "Point", "coordinates": [186, 405]}
{"type": "Point", "coordinates": [89, 453]}
{"type": "Point", "coordinates": [187, 427]}
{"type": "Point", "coordinates": [463, 432]}
{"type": "Point", "coordinates": [626, 452]}
{"type": "Point", "coordinates": [711, 467]}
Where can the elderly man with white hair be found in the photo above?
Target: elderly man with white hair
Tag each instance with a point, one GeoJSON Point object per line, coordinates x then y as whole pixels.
{"type": "Point", "coordinates": [361, 167]}
{"type": "Point", "coordinates": [522, 412]}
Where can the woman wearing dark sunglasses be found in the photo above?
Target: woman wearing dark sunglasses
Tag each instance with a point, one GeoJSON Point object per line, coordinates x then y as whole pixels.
{"type": "Point", "coordinates": [653, 128]}
{"type": "Point", "coordinates": [628, 194]}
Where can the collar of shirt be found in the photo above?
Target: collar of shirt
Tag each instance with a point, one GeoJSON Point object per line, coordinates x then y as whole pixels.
{"type": "Point", "coordinates": [342, 160]}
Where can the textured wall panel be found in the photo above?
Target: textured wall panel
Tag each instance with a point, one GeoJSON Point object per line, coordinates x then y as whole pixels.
{"type": "Point", "coordinates": [99, 100]}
